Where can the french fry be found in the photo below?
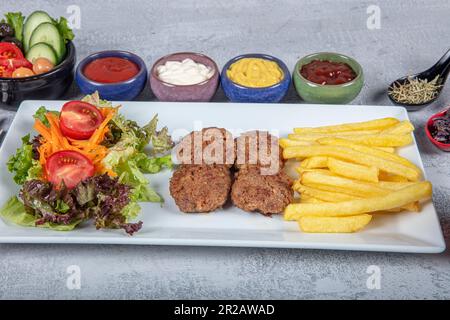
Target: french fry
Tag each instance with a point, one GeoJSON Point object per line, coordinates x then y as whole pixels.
{"type": "Point", "coordinates": [360, 188]}
{"type": "Point", "coordinates": [350, 170]}
{"type": "Point", "coordinates": [403, 127]}
{"type": "Point", "coordinates": [307, 199]}
{"type": "Point", "coordinates": [368, 150]}
{"type": "Point", "coordinates": [304, 163]}
{"type": "Point", "coordinates": [333, 196]}
{"type": "Point", "coordinates": [366, 125]}
{"type": "Point", "coordinates": [372, 140]}
{"type": "Point", "coordinates": [306, 138]}
{"type": "Point", "coordinates": [296, 184]}
{"type": "Point", "coordinates": [349, 154]}
{"type": "Point", "coordinates": [301, 170]}
{"type": "Point", "coordinates": [415, 206]}
{"type": "Point", "coordinates": [327, 196]}
{"type": "Point", "coordinates": [395, 199]}
{"type": "Point", "coordinates": [334, 189]}
{"type": "Point", "coordinates": [357, 188]}
{"type": "Point", "coordinates": [315, 135]}
{"type": "Point", "coordinates": [334, 224]}
{"type": "Point", "coordinates": [391, 185]}
{"type": "Point", "coordinates": [396, 210]}
{"type": "Point", "coordinates": [386, 149]}
{"type": "Point", "coordinates": [314, 163]}
{"type": "Point", "coordinates": [382, 140]}
{"type": "Point", "coordinates": [284, 143]}
{"type": "Point", "coordinates": [384, 176]}
{"type": "Point", "coordinates": [353, 171]}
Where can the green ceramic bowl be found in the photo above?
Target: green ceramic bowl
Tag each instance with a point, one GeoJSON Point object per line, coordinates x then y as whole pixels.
{"type": "Point", "coordinates": [330, 94]}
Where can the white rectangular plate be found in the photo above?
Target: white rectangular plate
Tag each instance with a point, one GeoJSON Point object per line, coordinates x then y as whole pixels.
{"type": "Point", "coordinates": [166, 225]}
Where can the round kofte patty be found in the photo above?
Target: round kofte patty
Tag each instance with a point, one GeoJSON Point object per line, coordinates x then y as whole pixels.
{"type": "Point", "coordinates": [207, 147]}
{"type": "Point", "coordinates": [258, 149]}
{"type": "Point", "coordinates": [267, 194]}
{"type": "Point", "coordinates": [200, 188]}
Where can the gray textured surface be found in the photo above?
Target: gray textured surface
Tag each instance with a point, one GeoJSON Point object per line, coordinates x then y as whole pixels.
{"type": "Point", "coordinates": [413, 35]}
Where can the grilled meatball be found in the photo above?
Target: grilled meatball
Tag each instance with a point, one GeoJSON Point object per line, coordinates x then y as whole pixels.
{"type": "Point", "coordinates": [200, 188]}
{"type": "Point", "coordinates": [267, 194]}
{"type": "Point", "coordinates": [259, 149]}
{"type": "Point", "coordinates": [209, 146]}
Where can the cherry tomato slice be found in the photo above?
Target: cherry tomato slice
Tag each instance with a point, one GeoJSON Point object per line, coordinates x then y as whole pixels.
{"type": "Point", "coordinates": [5, 72]}
{"type": "Point", "coordinates": [78, 120]}
{"type": "Point", "coordinates": [16, 63]}
{"type": "Point", "coordinates": [68, 166]}
{"type": "Point", "coordinates": [10, 51]}
{"type": "Point", "coordinates": [7, 66]}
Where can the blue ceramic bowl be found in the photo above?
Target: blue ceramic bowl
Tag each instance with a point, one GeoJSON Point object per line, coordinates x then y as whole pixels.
{"type": "Point", "coordinates": [239, 93]}
{"type": "Point", "coordinates": [125, 90]}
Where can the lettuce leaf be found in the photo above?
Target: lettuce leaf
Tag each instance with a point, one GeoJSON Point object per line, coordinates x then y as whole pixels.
{"type": "Point", "coordinates": [22, 165]}
{"type": "Point", "coordinates": [35, 171]}
{"type": "Point", "coordinates": [64, 29]}
{"type": "Point", "coordinates": [16, 19]}
{"type": "Point", "coordinates": [14, 212]}
{"type": "Point", "coordinates": [152, 165]}
{"type": "Point", "coordinates": [96, 101]}
{"type": "Point", "coordinates": [131, 211]}
{"type": "Point", "coordinates": [109, 202]}
{"type": "Point", "coordinates": [21, 162]}
{"type": "Point", "coordinates": [130, 167]}
{"type": "Point", "coordinates": [40, 115]}
{"type": "Point", "coordinates": [104, 199]}
{"type": "Point", "coordinates": [160, 140]}
{"type": "Point", "coordinates": [130, 134]}
{"type": "Point", "coordinates": [130, 174]}
{"type": "Point", "coordinates": [127, 158]}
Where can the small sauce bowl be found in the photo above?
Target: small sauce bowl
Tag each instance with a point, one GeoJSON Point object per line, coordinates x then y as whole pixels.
{"type": "Point", "coordinates": [199, 92]}
{"type": "Point", "coordinates": [440, 145]}
{"type": "Point", "coordinates": [239, 93]}
{"type": "Point", "coordinates": [328, 93]}
{"type": "Point", "coordinates": [117, 91]}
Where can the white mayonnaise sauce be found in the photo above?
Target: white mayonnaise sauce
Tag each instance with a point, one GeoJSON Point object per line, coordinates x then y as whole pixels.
{"type": "Point", "coordinates": [186, 72]}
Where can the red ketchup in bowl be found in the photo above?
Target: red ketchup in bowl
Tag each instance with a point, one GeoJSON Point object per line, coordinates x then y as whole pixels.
{"type": "Point", "coordinates": [327, 72]}
{"type": "Point", "coordinates": [110, 70]}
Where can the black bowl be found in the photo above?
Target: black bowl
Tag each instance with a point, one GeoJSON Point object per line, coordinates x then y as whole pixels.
{"type": "Point", "coordinates": [45, 86]}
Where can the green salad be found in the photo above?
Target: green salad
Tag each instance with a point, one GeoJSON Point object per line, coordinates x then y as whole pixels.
{"type": "Point", "coordinates": [87, 163]}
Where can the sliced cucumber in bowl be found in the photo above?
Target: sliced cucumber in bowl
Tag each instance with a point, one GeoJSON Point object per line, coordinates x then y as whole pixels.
{"type": "Point", "coordinates": [48, 33]}
{"type": "Point", "coordinates": [31, 23]}
{"type": "Point", "coordinates": [42, 50]}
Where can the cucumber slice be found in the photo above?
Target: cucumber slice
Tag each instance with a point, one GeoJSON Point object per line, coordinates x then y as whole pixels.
{"type": "Point", "coordinates": [49, 34]}
{"type": "Point", "coordinates": [31, 23]}
{"type": "Point", "coordinates": [42, 50]}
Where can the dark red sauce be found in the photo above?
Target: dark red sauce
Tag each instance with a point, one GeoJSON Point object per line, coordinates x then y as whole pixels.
{"type": "Point", "coordinates": [110, 70]}
{"type": "Point", "coordinates": [327, 72]}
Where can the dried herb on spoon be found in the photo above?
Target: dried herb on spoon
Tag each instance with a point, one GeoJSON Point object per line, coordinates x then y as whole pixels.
{"type": "Point", "coordinates": [415, 90]}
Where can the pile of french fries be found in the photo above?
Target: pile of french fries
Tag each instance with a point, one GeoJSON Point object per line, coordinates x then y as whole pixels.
{"type": "Point", "coordinates": [348, 172]}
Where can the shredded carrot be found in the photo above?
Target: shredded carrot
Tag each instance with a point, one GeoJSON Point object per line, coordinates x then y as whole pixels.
{"type": "Point", "coordinates": [99, 134]}
{"type": "Point", "coordinates": [53, 140]}
{"type": "Point", "coordinates": [42, 129]}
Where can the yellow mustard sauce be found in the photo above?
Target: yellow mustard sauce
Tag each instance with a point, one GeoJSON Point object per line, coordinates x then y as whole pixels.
{"type": "Point", "coordinates": [255, 72]}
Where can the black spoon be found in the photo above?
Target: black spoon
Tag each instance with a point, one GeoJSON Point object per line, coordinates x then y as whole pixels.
{"type": "Point", "coordinates": [441, 69]}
